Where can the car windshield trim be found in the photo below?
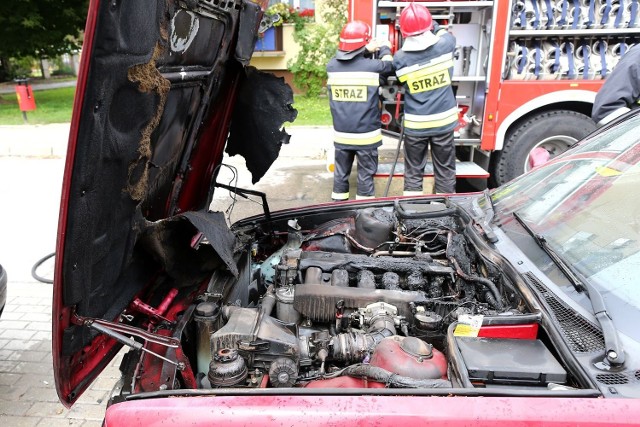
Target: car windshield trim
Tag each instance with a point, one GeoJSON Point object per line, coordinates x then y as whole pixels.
{"type": "Point", "coordinates": [614, 352]}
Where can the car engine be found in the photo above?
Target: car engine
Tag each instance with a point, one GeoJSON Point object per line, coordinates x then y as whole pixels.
{"type": "Point", "coordinates": [365, 299]}
{"type": "Point", "coordinates": [391, 295]}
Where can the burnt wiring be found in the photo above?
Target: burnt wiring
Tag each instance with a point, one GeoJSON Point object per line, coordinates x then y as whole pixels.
{"type": "Point", "coordinates": [235, 191]}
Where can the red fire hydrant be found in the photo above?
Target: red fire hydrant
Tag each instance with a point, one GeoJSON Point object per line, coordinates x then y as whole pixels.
{"type": "Point", "coordinates": [26, 101]}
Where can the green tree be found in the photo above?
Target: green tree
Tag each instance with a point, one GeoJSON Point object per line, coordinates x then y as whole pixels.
{"type": "Point", "coordinates": [40, 28]}
{"type": "Point", "coordinates": [318, 43]}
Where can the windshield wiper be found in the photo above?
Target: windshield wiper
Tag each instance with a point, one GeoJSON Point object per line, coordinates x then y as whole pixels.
{"type": "Point", "coordinates": [614, 353]}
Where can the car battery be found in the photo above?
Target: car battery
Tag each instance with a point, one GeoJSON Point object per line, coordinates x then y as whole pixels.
{"type": "Point", "coordinates": [510, 362]}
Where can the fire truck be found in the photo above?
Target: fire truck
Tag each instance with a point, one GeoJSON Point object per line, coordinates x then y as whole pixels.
{"type": "Point", "coordinates": [525, 76]}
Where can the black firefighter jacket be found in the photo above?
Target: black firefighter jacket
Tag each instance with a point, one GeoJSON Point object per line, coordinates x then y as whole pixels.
{"type": "Point", "coordinates": [430, 106]}
{"type": "Point", "coordinates": [353, 97]}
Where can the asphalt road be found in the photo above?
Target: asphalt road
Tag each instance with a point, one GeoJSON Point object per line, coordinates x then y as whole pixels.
{"type": "Point", "coordinates": [31, 170]}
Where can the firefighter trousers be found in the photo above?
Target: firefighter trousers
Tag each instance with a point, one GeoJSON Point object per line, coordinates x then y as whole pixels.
{"type": "Point", "coordinates": [367, 167]}
{"type": "Point", "coordinates": [443, 156]}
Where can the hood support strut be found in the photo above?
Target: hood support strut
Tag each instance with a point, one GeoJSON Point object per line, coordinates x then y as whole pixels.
{"type": "Point", "coordinates": [117, 331]}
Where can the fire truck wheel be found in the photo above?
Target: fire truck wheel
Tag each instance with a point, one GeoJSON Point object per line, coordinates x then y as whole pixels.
{"type": "Point", "coordinates": [554, 131]}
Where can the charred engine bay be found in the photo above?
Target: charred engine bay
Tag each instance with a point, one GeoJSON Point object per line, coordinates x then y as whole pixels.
{"type": "Point", "coordinates": [373, 297]}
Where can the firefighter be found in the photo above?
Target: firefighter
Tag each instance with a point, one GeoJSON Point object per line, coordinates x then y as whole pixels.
{"type": "Point", "coordinates": [620, 91]}
{"type": "Point", "coordinates": [424, 66]}
{"type": "Point", "coordinates": [354, 77]}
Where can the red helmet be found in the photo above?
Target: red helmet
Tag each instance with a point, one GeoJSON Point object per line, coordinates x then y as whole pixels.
{"type": "Point", "coordinates": [354, 35]}
{"type": "Point", "coordinates": [415, 19]}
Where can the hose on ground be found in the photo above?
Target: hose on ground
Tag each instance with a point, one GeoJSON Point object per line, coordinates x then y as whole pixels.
{"type": "Point", "coordinates": [34, 269]}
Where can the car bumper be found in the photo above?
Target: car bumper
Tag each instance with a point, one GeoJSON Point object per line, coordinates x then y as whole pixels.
{"type": "Point", "coordinates": [373, 410]}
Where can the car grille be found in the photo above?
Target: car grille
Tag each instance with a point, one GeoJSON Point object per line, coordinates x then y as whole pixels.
{"type": "Point", "coordinates": [627, 377]}
{"type": "Point", "coordinates": [581, 335]}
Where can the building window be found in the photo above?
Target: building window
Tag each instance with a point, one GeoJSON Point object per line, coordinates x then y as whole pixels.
{"type": "Point", "coordinates": [296, 4]}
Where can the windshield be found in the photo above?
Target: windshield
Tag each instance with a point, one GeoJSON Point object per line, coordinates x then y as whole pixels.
{"type": "Point", "coordinates": [586, 205]}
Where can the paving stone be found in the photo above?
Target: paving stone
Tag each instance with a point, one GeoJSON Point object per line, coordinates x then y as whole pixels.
{"type": "Point", "coordinates": [33, 309]}
{"type": "Point", "coordinates": [44, 344]}
{"type": "Point", "coordinates": [87, 412]}
{"type": "Point", "coordinates": [13, 324]}
{"type": "Point", "coordinates": [40, 326]}
{"type": "Point", "coordinates": [6, 354]}
{"type": "Point", "coordinates": [37, 317]}
{"type": "Point", "coordinates": [15, 392]}
{"type": "Point", "coordinates": [37, 380]}
{"type": "Point", "coordinates": [94, 397]}
{"type": "Point", "coordinates": [8, 366]}
{"type": "Point", "coordinates": [8, 308]}
{"type": "Point", "coordinates": [104, 383]}
{"type": "Point", "coordinates": [9, 379]}
{"type": "Point", "coordinates": [56, 422]}
{"type": "Point", "coordinates": [15, 334]}
{"type": "Point", "coordinates": [12, 315]}
{"type": "Point", "coordinates": [47, 409]}
{"type": "Point", "coordinates": [91, 423]}
{"type": "Point", "coordinates": [14, 408]}
{"type": "Point", "coordinates": [32, 368]}
{"type": "Point", "coordinates": [42, 394]}
{"type": "Point", "coordinates": [27, 356]}
{"type": "Point", "coordinates": [23, 344]}
{"type": "Point", "coordinates": [11, 421]}
{"type": "Point", "coordinates": [25, 300]}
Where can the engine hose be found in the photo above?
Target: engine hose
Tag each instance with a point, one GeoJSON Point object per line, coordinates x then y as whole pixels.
{"type": "Point", "coordinates": [473, 278]}
{"type": "Point", "coordinates": [353, 346]}
{"type": "Point", "coordinates": [34, 269]}
{"type": "Point", "coordinates": [395, 160]}
{"type": "Point", "coordinates": [481, 280]}
{"type": "Point", "coordinates": [381, 375]}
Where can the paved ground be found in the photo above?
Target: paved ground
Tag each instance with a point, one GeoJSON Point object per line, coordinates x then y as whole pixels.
{"type": "Point", "coordinates": [31, 169]}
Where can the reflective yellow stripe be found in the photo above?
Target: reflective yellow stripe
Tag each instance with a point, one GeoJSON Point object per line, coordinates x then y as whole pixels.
{"type": "Point", "coordinates": [415, 67]}
{"type": "Point", "coordinates": [359, 197]}
{"type": "Point", "coordinates": [429, 124]}
{"type": "Point", "coordinates": [340, 196]}
{"type": "Point", "coordinates": [349, 81]}
{"type": "Point", "coordinates": [428, 70]}
{"type": "Point", "coordinates": [357, 141]}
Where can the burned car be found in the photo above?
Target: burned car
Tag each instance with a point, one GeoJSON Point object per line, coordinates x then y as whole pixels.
{"type": "Point", "coordinates": [504, 307]}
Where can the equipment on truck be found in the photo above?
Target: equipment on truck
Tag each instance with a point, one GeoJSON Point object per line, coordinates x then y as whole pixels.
{"type": "Point", "coordinates": [526, 72]}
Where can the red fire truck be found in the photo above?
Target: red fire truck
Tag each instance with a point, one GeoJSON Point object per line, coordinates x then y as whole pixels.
{"type": "Point", "coordinates": [526, 72]}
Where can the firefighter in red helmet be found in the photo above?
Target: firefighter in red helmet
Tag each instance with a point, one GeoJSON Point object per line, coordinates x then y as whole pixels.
{"type": "Point", "coordinates": [354, 77]}
{"type": "Point", "coordinates": [424, 66]}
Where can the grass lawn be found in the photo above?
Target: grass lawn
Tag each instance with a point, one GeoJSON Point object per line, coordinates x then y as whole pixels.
{"type": "Point", "coordinates": [312, 111]}
{"type": "Point", "coordinates": [52, 106]}
{"type": "Point", "coordinates": [55, 106]}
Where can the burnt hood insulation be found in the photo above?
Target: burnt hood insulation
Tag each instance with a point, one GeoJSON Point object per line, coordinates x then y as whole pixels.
{"type": "Point", "coordinates": [143, 126]}
{"type": "Point", "coordinates": [263, 105]}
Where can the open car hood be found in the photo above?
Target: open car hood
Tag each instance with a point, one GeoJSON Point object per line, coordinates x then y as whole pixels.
{"type": "Point", "coordinates": [164, 86]}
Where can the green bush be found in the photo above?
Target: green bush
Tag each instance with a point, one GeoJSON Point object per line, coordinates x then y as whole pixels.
{"type": "Point", "coordinates": [22, 67]}
{"type": "Point", "coordinates": [318, 43]}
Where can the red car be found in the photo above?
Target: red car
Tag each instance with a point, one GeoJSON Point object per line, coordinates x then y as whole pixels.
{"type": "Point", "coordinates": [510, 307]}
